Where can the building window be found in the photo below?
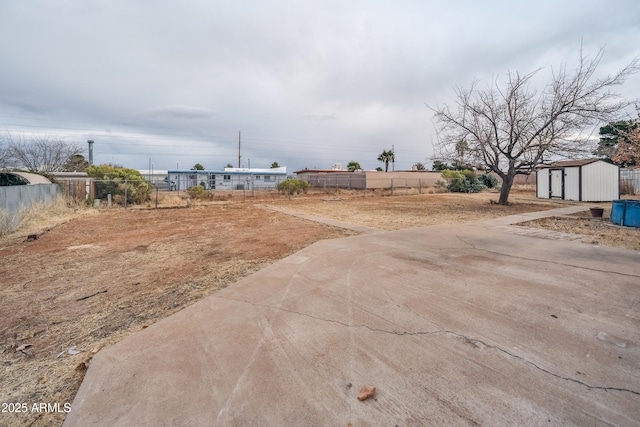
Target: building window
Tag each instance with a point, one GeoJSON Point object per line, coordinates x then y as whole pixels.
{"type": "Point", "coordinates": [257, 177]}
{"type": "Point", "coordinates": [267, 178]}
{"type": "Point", "coordinates": [227, 177]}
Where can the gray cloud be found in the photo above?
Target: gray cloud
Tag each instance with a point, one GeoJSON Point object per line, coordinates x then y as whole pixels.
{"type": "Point", "coordinates": [308, 83]}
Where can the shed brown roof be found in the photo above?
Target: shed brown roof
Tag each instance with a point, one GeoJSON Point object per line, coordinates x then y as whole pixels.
{"type": "Point", "coordinates": [570, 163]}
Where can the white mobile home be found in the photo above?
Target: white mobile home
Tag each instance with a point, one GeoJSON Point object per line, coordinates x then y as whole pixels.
{"type": "Point", "coordinates": [590, 180]}
{"type": "Point", "coordinates": [227, 179]}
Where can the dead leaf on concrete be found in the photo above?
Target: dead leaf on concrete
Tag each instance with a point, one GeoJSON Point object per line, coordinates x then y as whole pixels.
{"type": "Point", "coordinates": [366, 392]}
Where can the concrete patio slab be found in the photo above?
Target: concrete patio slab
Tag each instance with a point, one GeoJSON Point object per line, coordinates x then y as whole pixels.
{"type": "Point", "coordinates": [454, 325]}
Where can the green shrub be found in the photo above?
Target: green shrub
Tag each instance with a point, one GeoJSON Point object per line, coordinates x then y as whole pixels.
{"type": "Point", "coordinates": [488, 180]}
{"type": "Point", "coordinates": [119, 181]}
{"type": "Point", "coordinates": [462, 181]}
{"type": "Point", "coordinates": [293, 186]}
{"type": "Point", "coordinates": [198, 192]}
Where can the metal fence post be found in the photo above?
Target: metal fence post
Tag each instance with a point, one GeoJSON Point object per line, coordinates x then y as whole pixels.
{"type": "Point", "coordinates": [392, 186]}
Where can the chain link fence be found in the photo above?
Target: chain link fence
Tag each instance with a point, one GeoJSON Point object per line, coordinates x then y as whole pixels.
{"type": "Point", "coordinates": [392, 183]}
{"type": "Point", "coordinates": [130, 192]}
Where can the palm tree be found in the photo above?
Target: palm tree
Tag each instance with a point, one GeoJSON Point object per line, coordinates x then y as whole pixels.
{"type": "Point", "coordinates": [353, 166]}
{"type": "Point", "coordinates": [386, 157]}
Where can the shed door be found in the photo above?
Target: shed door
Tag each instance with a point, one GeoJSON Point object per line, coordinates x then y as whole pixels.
{"type": "Point", "coordinates": [556, 183]}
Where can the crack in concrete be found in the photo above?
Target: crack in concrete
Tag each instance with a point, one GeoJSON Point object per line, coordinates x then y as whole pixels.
{"type": "Point", "coordinates": [442, 332]}
{"type": "Point", "coordinates": [545, 261]}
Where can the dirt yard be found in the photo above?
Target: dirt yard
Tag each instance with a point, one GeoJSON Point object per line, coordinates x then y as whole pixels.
{"type": "Point", "coordinates": [595, 232]}
{"type": "Point", "coordinates": [95, 276]}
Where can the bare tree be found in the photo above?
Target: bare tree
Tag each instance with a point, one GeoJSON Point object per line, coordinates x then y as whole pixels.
{"type": "Point", "coordinates": [5, 160]}
{"type": "Point", "coordinates": [510, 130]}
{"type": "Point", "coordinates": [75, 163]}
{"type": "Point", "coordinates": [40, 153]}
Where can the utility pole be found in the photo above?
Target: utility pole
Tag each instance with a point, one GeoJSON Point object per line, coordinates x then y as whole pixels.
{"type": "Point", "coordinates": [393, 159]}
{"type": "Point", "coordinates": [238, 149]}
{"type": "Point", "coordinates": [90, 142]}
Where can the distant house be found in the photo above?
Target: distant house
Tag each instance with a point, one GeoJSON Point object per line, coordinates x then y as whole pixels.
{"type": "Point", "coordinates": [589, 180]}
{"type": "Point", "coordinates": [157, 177]}
{"type": "Point", "coordinates": [227, 179]}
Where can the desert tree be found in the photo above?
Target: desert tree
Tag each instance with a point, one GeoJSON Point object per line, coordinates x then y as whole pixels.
{"type": "Point", "coordinates": [511, 129]}
{"type": "Point", "coordinates": [611, 134]}
{"type": "Point", "coordinates": [76, 163]}
{"type": "Point", "coordinates": [385, 157]}
{"type": "Point", "coordinates": [40, 153]}
{"type": "Point", "coordinates": [275, 165]}
{"type": "Point", "coordinates": [627, 151]}
{"type": "Point", "coordinates": [419, 166]}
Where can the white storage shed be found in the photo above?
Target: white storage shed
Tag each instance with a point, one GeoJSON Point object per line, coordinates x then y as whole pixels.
{"type": "Point", "coordinates": [590, 180]}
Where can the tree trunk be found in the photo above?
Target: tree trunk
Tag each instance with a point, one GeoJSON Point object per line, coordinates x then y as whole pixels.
{"type": "Point", "coordinates": [507, 182]}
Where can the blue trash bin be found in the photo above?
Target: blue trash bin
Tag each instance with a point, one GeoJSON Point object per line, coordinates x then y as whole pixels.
{"type": "Point", "coordinates": [632, 213]}
{"type": "Point", "coordinates": [617, 211]}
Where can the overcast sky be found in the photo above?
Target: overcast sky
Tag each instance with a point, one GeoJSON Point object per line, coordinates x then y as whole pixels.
{"type": "Point", "coordinates": [308, 83]}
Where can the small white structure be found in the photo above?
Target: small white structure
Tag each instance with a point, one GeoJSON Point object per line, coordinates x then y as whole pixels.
{"type": "Point", "coordinates": [154, 175]}
{"type": "Point", "coordinates": [227, 179]}
{"type": "Point", "coordinates": [590, 180]}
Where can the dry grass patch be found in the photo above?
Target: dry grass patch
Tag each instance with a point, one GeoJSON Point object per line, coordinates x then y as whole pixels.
{"type": "Point", "coordinates": [104, 274]}
{"type": "Point", "coordinates": [401, 212]}
{"type": "Point", "coordinates": [595, 231]}
{"type": "Point", "coordinates": [42, 216]}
